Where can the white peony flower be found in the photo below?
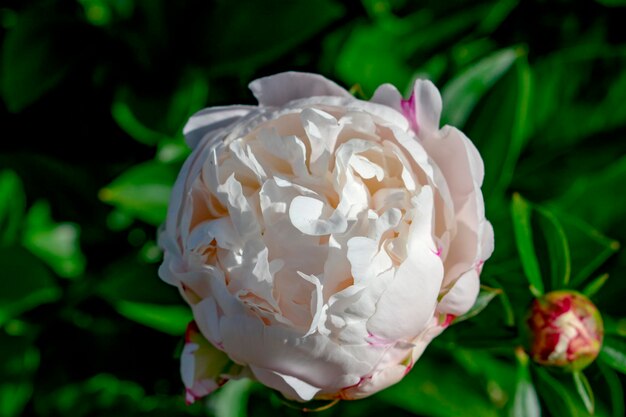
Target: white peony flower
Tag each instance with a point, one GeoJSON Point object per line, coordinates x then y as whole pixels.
{"type": "Point", "coordinates": [323, 241]}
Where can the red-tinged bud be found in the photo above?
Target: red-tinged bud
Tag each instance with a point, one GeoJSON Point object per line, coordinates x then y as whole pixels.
{"type": "Point", "coordinates": [565, 330]}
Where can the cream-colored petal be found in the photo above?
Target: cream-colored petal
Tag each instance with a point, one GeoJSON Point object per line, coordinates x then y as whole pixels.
{"type": "Point", "coordinates": [201, 365]}
{"type": "Point", "coordinates": [462, 295]}
{"type": "Point", "coordinates": [280, 89]}
{"type": "Point", "coordinates": [412, 294]}
{"type": "Point", "coordinates": [208, 121]}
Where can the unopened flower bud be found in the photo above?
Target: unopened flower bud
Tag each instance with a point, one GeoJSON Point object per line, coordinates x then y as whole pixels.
{"type": "Point", "coordinates": [565, 330]}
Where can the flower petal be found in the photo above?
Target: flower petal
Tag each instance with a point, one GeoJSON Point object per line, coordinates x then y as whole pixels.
{"type": "Point", "coordinates": [461, 165]}
{"type": "Point", "coordinates": [279, 89]}
{"type": "Point", "coordinates": [306, 214]}
{"type": "Point", "coordinates": [210, 120]}
{"type": "Point", "coordinates": [291, 387]}
{"type": "Point", "coordinates": [427, 102]}
{"type": "Point", "coordinates": [409, 300]}
{"type": "Point", "coordinates": [422, 108]}
{"type": "Point", "coordinates": [313, 359]}
{"type": "Point", "coordinates": [388, 95]}
{"type": "Point", "coordinates": [462, 295]}
{"type": "Point", "coordinates": [201, 365]}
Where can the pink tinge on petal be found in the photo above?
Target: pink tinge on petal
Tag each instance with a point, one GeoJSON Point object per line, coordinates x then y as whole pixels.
{"type": "Point", "coordinates": [408, 368]}
{"type": "Point", "coordinates": [343, 393]}
{"type": "Point", "coordinates": [479, 266]}
{"type": "Point", "coordinates": [410, 112]}
{"type": "Point", "coordinates": [447, 320]}
{"type": "Point", "coordinates": [201, 389]}
{"type": "Point", "coordinates": [374, 340]}
{"type": "Point", "coordinates": [190, 397]}
{"type": "Point", "coordinates": [409, 364]}
{"type": "Point", "coordinates": [201, 365]}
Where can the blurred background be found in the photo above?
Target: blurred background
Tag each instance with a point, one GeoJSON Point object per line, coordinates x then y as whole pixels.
{"type": "Point", "coordinates": [94, 97]}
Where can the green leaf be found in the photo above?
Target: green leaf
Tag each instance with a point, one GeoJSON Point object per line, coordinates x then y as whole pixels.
{"type": "Point", "coordinates": [482, 301]}
{"type": "Point", "coordinates": [135, 291]}
{"type": "Point", "coordinates": [584, 390]}
{"type": "Point", "coordinates": [151, 252]}
{"type": "Point", "coordinates": [366, 58]}
{"type": "Point", "coordinates": [102, 394]}
{"type": "Point", "coordinates": [498, 12]}
{"type": "Point", "coordinates": [105, 394]}
{"type": "Point", "coordinates": [172, 151]}
{"type": "Point", "coordinates": [19, 360]}
{"type": "Point", "coordinates": [559, 91]}
{"type": "Point", "coordinates": [191, 96]}
{"type": "Point", "coordinates": [467, 53]}
{"type": "Point", "coordinates": [12, 205]}
{"type": "Point", "coordinates": [616, 391]}
{"type": "Point", "coordinates": [132, 280]}
{"type": "Point", "coordinates": [595, 285]}
{"type": "Point", "coordinates": [489, 277]}
{"type": "Point", "coordinates": [170, 319]}
{"type": "Point", "coordinates": [119, 219]}
{"type": "Point", "coordinates": [436, 387]}
{"type": "Point", "coordinates": [124, 112]}
{"type": "Point", "coordinates": [102, 12]}
{"type": "Point", "coordinates": [525, 401]}
{"type": "Point", "coordinates": [484, 368]}
{"type": "Point", "coordinates": [36, 55]}
{"type": "Point", "coordinates": [231, 400]}
{"type": "Point", "coordinates": [614, 327]}
{"type": "Point", "coordinates": [581, 198]}
{"type": "Point", "coordinates": [588, 246]}
{"type": "Point", "coordinates": [57, 244]}
{"type": "Point", "coordinates": [521, 214]}
{"type": "Point", "coordinates": [509, 98]}
{"type": "Point", "coordinates": [25, 283]}
{"type": "Point", "coordinates": [519, 126]}
{"type": "Point", "coordinates": [260, 32]}
{"type": "Point", "coordinates": [378, 9]}
{"type": "Point", "coordinates": [557, 85]}
{"type": "Point", "coordinates": [557, 397]}
{"type": "Point", "coordinates": [613, 353]}
{"type": "Point", "coordinates": [613, 3]}
{"type": "Point", "coordinates": [97, 12]}
{"type": "Point", "coordinates": [558, 248]}
{"type": "Point", "coordinates": [155, 116]}
{"type": "Point", "coordinates": [463, 92]}
{"type": "Point", "coordinates": [143, 191]}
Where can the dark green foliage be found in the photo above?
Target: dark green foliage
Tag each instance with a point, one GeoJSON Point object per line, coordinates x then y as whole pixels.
{"type": "Point", "coordinates": [94, 95]}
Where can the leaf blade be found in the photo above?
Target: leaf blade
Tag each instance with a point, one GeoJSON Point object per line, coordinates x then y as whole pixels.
{"type": "Point", "coordinates": [613, 353]}
{"type": "Point", "coordinates": [525, 400]}
{"type": "Point", "coordinates": [466, 89]}
{"type": "Point", "coordinates": [57, 244]}
{"type": "Point", "coordinates": [12, 204]}
{"type": "Point", "coordinates": [616, 391]}
{"type": "Point", "coordinates": [584, 391]}
{"type": "Point", "coordinates": [521, 214]}
{"type": "Point", "coordinates": [19, 360]}
{"type": "Point", "coordinates": [25, 284]}
{"type": "Point", "coordinates": [170, 319]}
{"type": "Point", "coordinates": [143, 191]}
{"type": "Point", "coordinates": [558, 248]}
{"type": "Point", "coordinates": [557, 398]}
